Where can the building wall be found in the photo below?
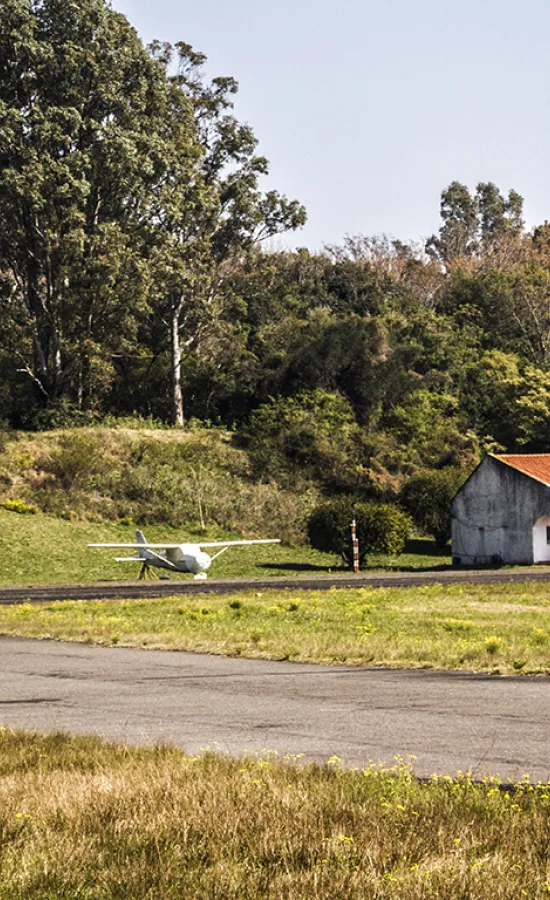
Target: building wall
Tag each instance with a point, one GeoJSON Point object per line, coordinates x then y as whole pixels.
{"type": "Point", "coordinates": [494, 513]}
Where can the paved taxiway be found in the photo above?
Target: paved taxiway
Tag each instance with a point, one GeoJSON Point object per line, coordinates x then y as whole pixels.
{"type": "Point", "coordinates": [108, 590]}
{"type": "Point", "coordinates": [449, 721]}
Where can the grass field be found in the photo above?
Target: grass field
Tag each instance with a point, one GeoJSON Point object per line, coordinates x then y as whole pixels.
{"type": "Point", "coordinates": [88, 820]}
{"type": "Point", "coordinates": [502, 628]}
{"type": "Point", "coordinates": [40, 549]}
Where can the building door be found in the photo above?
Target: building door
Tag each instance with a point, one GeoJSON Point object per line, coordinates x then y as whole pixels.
{"type": "Point", "coordinates": [541, 540]}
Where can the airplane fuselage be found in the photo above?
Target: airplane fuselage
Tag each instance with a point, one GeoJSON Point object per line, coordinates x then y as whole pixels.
{"type": "Point", "coordinates": [185, 558]}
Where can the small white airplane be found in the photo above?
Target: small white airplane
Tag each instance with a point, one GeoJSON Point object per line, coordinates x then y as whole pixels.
{"type": "Point", "coordinates": [177, 557]}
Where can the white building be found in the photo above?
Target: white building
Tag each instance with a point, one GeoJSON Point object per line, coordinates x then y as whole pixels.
{"type": "Point", "coordinates": [502, 512]}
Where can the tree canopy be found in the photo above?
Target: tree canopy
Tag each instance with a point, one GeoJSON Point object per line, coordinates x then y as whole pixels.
{"type": "Point", "coordinates": [135, 277]}
{"type": "Point", "coordinates": [125, 185]}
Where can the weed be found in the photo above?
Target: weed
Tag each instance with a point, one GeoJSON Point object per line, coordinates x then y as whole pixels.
{"type": "Point", "coordinates": [518, 664]}
{"type": "Point", "coordinates": [458, 626]}
{"type": "Point", "coordinates": [18, 506]}
{"type": "Point", "coordinates": [493, 644]}
{"type": "Point", "coordinates": [539, 636]}
{"type": "Point", "coordinates": [127, 520]}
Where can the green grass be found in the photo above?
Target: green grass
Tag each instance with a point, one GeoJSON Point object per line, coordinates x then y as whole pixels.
{"type": "Point", "coordinates": [84, 819]}
{"type": "Point", "coordinates": [502, 628]}
{"type": "Point", "coordinates": [40, 549]}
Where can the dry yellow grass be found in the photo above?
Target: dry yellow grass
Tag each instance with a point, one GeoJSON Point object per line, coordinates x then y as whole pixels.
{"type": "Point", "coordinates": [83, 819]}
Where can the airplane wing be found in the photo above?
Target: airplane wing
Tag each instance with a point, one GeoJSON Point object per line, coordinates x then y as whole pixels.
{"type": "Point", "coordinates": [239, 543]}
{"type": "Point", "coordinates": [128, 559]}
{"type": "Point", "coordinates": [194, 543]}
{"type": "Point", "coordinates": [142, 546]}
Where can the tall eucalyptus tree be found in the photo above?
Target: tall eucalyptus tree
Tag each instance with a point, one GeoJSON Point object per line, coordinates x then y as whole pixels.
{"type": "Point", "coordinates": [203, 234]}
{"type": "Point", "coordinates": [86, 126]}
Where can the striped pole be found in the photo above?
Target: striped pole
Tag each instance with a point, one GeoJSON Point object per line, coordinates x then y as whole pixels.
{"type": "Point", "coordinates": [354, 544]}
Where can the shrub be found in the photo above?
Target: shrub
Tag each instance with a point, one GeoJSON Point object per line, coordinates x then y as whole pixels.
{"type": "Point", "coordinates": [134, 422]}
{"type": "Point", "coordinates": [381, 528]}
{"type": "Point", "coordinates": [493, 644]}
{"type": "Point", "coordinates": [427, 497]}
{"type": "Point", "coordinates": [62, 414]}
{"type": "Point", "coordinates": [18, 506]}
{"type": "Point", "coordinates": [78, 456]}
{"type": "Point", "coordinates": [5, 436]}
{"type": "Point", "coordinates": [313, 436]}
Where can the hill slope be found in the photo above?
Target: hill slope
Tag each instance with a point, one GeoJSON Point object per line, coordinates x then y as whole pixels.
{"type": "Point", "coordinates": [197, 480]}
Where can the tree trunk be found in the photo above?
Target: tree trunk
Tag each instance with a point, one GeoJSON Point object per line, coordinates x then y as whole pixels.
{"type": "Point", "coordinates": [177, 398]}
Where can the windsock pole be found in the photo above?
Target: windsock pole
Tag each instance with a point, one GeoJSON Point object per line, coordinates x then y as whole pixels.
{"type": "Point", "coordinates": [354, 543]}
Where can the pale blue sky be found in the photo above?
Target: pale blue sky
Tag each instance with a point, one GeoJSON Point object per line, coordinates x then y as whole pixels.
{"type": "Point", "coordinates": [367, 110]}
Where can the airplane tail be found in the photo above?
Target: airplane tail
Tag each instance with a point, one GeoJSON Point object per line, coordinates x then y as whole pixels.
{"type": "Point", "coordinates": [140, 539]}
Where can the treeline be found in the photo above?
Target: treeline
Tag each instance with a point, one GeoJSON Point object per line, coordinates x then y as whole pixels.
{"type": "Point", "coordinates": [133, 279]}
{"type": "Point", "coordinates": [127, 191]}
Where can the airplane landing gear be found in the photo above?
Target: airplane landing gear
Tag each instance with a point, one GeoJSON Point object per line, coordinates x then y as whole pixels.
{"type": "Point", "coordinates": [146, 572]}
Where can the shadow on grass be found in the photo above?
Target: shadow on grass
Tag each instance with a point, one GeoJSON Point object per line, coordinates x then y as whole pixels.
{"type": "Point", "coordinates": [425, 550]}
{"type": "Point", "coordinates": [415, 547]}
{"type": "Point", "coordinates": [443, 567]}
{"type": "Point", "coordinates": [375, 569]}
{"type": "Point", "coordinates": [425, 547]}
{"type": "Point", "coordinates": [346, 570]}
{"type": "Point", "coordinates": [420, 547]}
{"type": "Point", "coordinates": [303, 567]}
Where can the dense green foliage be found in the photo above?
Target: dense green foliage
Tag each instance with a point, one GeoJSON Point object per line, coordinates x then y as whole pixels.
{"type": "Point", "coordinates": [133, 282]}
{"type": "Point", "coordinates": [125, 187]}
{"type": "Point", "coordinates": [381, 528]}
{"type": "Point", "coordinates": [312, 436]}
{"type": "Point", "coordinates": [427, 497]}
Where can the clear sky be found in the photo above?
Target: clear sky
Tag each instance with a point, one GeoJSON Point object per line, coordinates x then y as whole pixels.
{"type": "Point", "coordinates": [367, 110]}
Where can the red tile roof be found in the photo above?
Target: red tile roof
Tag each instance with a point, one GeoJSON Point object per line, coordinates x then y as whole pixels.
{"type": "Point", "coordinates": [536, 465]}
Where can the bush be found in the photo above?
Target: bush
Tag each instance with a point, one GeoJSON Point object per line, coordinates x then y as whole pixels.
{"type": "Point", "coordinates": [312, 436]}
{"type": "Point", "coordinates": [427, 497]}
{"type": "Point", "coordinates": [18, 506]}
{"type": "Point", "coordinates": [381, 528]}
{"type": "Point", "coordinates": [78, 457]}
{"type": "Point", "coordinates": [62, 414]}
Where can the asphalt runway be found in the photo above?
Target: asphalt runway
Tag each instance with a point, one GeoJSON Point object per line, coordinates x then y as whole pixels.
{"type": "Point", "coordinates": [37, 593]}
{"type": "Point", "coordinates": [449, 722]}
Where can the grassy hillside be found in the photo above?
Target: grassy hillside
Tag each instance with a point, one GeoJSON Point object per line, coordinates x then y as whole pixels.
{"type": "Point", "coordinates": [60, 490]}
{"type": "Point", "coordinates": [198, 480]}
